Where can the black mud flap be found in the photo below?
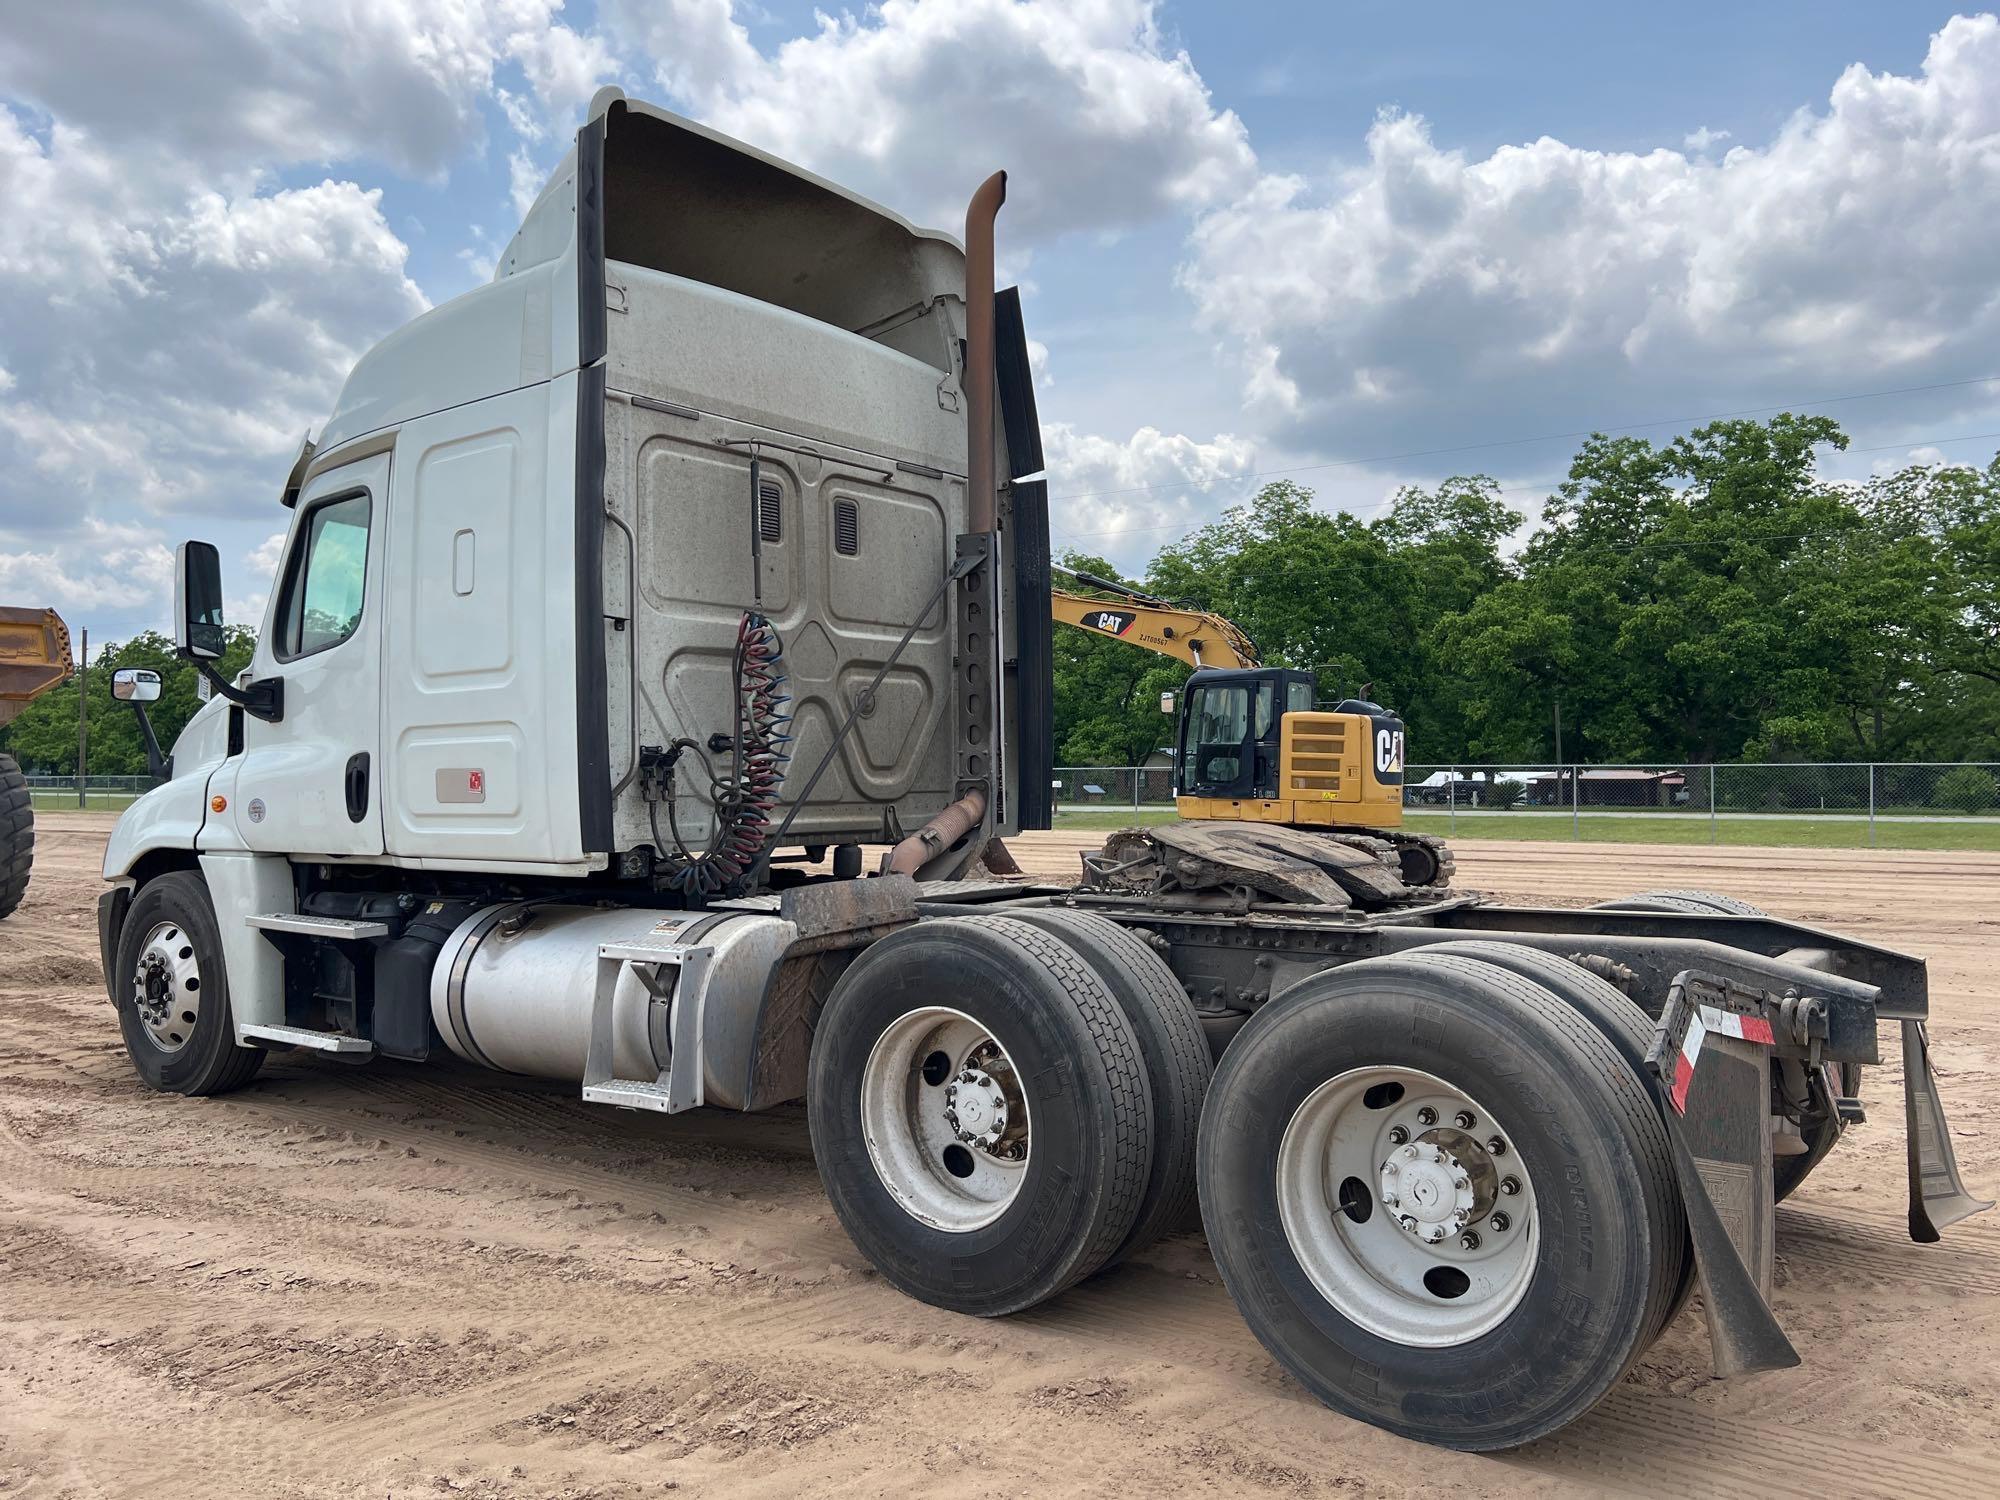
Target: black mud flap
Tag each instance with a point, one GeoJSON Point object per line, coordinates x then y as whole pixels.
{"type": "Point", "coordinates": [1938, 1198]}
{"type": "Point", "coordinates": [1717, 1123]}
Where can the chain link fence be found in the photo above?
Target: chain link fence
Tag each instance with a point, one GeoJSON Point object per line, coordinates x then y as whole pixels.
{"type": "Point", "coordinates": [98, 793]}
{"type": "Point", "coordinates": [1864, 793]}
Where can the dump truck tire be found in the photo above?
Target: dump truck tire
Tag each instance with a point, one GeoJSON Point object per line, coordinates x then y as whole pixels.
{"type": "Point", "coordinates": [1337, 1265]}
{"type": "Point", "coordinates": [1630, 1030]}
{"type": "Point", "coordinates": [1168, 1030]}
{"type": "Point", "coordinates": [172, 991]}
{"type": "Point", "coordinates": [980, 1113]}
{"type": "Point", "coordinates": [17, 835]}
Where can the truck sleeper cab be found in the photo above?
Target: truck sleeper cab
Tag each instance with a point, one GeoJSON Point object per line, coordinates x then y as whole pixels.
{"type": "Point", "coordinates": [702, 544]}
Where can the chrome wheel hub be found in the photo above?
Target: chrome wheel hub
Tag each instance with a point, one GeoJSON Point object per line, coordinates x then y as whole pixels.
{"type": "Point", "coordinates": [166, 987]}
{"type": "Point", "coordinates": [1407, 1206]}
{"type": "Point", "coordinates": [945, 1119]}
{"type": "Point", "coordinates": [1429, 1192]}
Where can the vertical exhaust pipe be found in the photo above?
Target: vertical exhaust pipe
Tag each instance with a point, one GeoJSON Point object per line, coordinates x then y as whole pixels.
{"type": "Point", "coordinates": [981, 482]}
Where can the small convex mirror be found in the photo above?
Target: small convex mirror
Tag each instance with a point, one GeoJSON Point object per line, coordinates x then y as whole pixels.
{"type": "Point", "coordinates": [135, 685]}
{"type": "Point", "coordinates": [198, 629]}
{"type": "Point", "coordinates": [1166, 703]}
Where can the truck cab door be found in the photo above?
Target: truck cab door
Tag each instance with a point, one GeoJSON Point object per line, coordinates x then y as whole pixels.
{"type": "Point", "coordinates": [310, 783]}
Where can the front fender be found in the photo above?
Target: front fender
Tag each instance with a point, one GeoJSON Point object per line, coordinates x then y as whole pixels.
{"type": "Point", "coordinates": [171, 816]}
{"type": "Point", "coordinates": [167, 817]}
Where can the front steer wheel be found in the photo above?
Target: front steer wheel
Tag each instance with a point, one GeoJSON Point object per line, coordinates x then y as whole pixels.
{"type": "Point", "coordinates": [980, 1113]}
{"type": "Point", "coordinates": [172, 992]}
{"type": "Point", "coordinates": [1427, 1186]}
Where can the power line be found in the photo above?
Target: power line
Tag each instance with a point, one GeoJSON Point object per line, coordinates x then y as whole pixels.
{"type": "Point", "coordinates": [1549, 437]}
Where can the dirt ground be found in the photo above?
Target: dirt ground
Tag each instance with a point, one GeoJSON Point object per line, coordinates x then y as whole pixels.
{"type": "Point", "coordinates": [403, 1281]}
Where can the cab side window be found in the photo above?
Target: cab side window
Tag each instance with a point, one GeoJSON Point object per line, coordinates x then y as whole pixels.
{"type": "Point", "coordinates": [325, 579]}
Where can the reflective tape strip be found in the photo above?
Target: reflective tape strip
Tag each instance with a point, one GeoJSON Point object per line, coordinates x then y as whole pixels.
{"type": "Point", "coordinates": [1743, 1028]}
{"type": "Point", "coordinates": [1703, 1020]}
{"type": "Point", "coordinates": [1684, 1064]}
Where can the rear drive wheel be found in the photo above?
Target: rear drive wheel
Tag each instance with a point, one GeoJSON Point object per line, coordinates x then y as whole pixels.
{"type": "Point", "coordinates": [980, 1113]}
{"type": "Point", "coordinates": [172, 992]}
{"type": "Point", "coordinates": [1167, 1028]}
{"type": "Point", "coordinates": [1630, 1030]}
{"type": "Point", "coordinates": [17, 835]}
{"type": "Point", "coordinates": [1427, 1187]}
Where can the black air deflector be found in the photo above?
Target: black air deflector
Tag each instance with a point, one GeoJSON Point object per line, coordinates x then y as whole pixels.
{"type": "Point", "coordinates": [846, 528]}
{"type": "Point", "coordinates": [1034, 663]}
{"type": "Point", "coordinates": [1016, 385]}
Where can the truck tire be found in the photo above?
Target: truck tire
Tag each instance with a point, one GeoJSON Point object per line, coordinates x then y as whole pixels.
{"type": "Point", "coordinates": [17, 835]}
{"type": "Point", "coordinates": [1178, 1062]}
{"type": "Point", "coordinates": [980, 1113]}
{"type": "Point", "coordinates": [1683, 900]}
{"type": "Point", "coordinates": [1630, 1030]}
{"type": "Point", "coordinates": [1367, 1283]}
{"type": "Point", "coordinates": [172, 991]}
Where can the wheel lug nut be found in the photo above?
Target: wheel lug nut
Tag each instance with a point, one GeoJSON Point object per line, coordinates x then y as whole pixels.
{"type": "Point", "coordinates": [1398, 1135]}
{"type": "Point", "coordinates": [1510, 1185]}
{"type": "Point", "coordinates": [1469, 1240]}
{"type": "Point", "coordinates": [1496, 1147]}
{"type": "Point", "coordinates": [1463, 1119]}
{"type": "Point", "coordinates": [1499, 1222]}
{"type": "Point", "coordinates": [1427, 1116]}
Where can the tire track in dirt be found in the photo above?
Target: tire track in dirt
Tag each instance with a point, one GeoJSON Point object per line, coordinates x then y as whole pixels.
{"type": "Point", "coordinates": [487, 1210]}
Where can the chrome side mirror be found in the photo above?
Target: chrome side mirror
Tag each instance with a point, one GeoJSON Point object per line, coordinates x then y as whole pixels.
{"type": "Point", "coordinates": [135, 685]}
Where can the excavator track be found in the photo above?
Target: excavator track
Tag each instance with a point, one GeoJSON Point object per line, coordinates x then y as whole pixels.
{"type": "Point", "coordinates": [1425, 861]}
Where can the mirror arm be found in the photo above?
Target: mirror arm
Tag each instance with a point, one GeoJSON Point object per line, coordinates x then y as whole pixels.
{"type": "Point", "coordinates": [159, 767]}
{"type": "Point", "coordinates": [263, 699]}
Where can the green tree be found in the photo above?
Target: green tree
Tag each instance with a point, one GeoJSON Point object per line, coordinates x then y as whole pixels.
{"type": "Point", "coordinates": [1107, 693]}
{"type": "Point", "coordinates": [43, 737]}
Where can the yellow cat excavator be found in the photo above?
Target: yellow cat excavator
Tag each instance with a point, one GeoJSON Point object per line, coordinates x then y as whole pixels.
{"type": "Point", "coordinates": [34, 657]}
{"type": "Point", "coordinates": [1250, 743]}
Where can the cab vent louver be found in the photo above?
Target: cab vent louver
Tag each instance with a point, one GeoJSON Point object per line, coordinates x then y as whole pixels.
{"type": "Point", "coordinates": [846, 528]}
{"type": "Point", "coordinates": [770, 512]}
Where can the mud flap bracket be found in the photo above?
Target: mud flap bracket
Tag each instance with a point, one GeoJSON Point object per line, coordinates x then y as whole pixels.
{"type": "Point", "coordinates": [1717, 1119]}
{"type": "Point", "coordinates": [1938, 1198]}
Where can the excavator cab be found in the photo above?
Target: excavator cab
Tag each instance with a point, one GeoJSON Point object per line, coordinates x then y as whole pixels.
{"type": "Point", "coordinates": [1229, 742]}
{"type": "Point", "coordinates": [1252, 748]}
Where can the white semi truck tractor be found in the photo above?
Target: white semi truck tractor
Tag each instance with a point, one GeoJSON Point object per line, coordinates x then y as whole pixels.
{"type": "Point", "coordinates": [660, 646]}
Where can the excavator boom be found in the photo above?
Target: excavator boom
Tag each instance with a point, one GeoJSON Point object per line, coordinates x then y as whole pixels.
{"type": "Point", "coordinates": [1194, 636]}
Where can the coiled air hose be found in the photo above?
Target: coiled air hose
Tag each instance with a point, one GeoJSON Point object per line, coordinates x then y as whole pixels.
{"type": "Point", "coordinates": [746, 798]}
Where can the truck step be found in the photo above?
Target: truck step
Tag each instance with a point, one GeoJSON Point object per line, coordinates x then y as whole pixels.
{"type": "Point", "coordinates": [628, 1093]}
{"type": "Point", "coordinates": [673, 973]}
{"type": "Point", "coordinates": [339, 929]}
{"type": "Point", "coordinates": [320, 1041]}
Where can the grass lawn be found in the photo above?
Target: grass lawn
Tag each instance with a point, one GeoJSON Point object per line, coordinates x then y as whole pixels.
{"type": "Point", "coordinates": [45, 799]}
{"type": "Point", "coordinates": [1645, 828]}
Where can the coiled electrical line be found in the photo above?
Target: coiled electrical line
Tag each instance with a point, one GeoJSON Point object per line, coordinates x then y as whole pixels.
{"type": "Point", "coordinates": [745, 799]}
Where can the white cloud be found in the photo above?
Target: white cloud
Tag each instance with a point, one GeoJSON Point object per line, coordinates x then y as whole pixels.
{"type": "Point", "coordinates": [1423, 297]}
{"type": "Point", "coordinates": [917, 101]}
{"type": "Point", "coordinates": [1701, 138]}
{"type": "Point", "coordinates": [169, 344]}
{"type": "Point", "coordinates": [97, 565]}
{"type": "Point", "coordinates": [230, 83]}
{"type": "Point", "coordinates": [1126, 500]}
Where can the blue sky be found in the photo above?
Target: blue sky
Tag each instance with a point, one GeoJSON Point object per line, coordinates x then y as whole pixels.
{"type": "Point", "coordinates": [1251, 238]}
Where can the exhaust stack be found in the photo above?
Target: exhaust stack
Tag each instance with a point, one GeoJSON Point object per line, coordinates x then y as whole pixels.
{"type": "Point", "coordinates": [981, 483]}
